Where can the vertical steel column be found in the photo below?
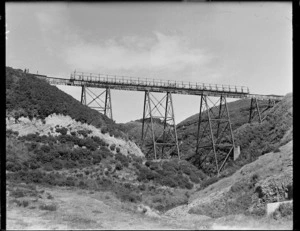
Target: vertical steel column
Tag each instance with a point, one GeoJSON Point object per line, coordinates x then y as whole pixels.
{"type": "Point", "coordinates": [211, 134]}
{"type": "Point", "coordinates": [83, 95]}
{"type": "Point", "coordinates": [144, 115]}
{"type": "Point", "coordinates": [174, 124]}
{"type": "Point", "coordinates": [165, 121]}
{"type": "Point", "coordinates": [199, 124]}
{"type": "Point", "coordinates": [151, 119]}
{"type": "Point", "coordinates": [250, 114]}
{"type": "Point", "coordinates": [220, 110]}
{"type": "Point", "coordinates": [258, 111]}
{"type": "Point", "coordinates": [229, 122]}
{"type": "Point", "coordinates": [108, 106]}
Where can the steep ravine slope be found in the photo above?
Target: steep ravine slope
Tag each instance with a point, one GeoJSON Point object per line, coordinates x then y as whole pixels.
{"type": "Point", "coordinates": [268, 179]}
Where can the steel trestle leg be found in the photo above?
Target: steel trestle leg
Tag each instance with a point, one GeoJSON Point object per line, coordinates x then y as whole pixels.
{"type": "Point", "coordinates": [164, 141]}
{"type": "Point", "coordinates": [214, 135]}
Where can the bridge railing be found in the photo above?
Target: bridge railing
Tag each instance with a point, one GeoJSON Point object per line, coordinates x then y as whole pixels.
{"type": "Point", "coordinates": [126, 80]}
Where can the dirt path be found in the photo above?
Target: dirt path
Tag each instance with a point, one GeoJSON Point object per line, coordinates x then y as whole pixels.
{"type": "Point", "coordinates": [81, 210]}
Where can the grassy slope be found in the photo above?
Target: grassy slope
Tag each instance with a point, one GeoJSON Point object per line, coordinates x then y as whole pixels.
{"type": "Point", "coordinates": [31, 97]}
{"type": "Point", "coordinates": [268, 179]}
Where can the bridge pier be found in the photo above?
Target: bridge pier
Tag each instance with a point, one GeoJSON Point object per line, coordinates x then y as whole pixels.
{"type": "Point", "coordinates": [104, 106]}
{"type": "Point", "coordinates": [215, 140]}
{"type": "Point", "coordinates": [165, 142]}
{"type": "Point", "coordinates": [258, 107]}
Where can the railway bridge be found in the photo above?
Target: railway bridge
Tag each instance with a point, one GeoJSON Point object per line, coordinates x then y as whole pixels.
{"type": "Point", "coordinates": [214, 137]}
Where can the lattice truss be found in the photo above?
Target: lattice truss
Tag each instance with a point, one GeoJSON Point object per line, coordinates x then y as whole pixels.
{"type": "Point", "coordinates": [161, 141]}
{"type": "Point", "coordinates": [215, 141]}
{"type": "Point", "coordinates": [98, 99]}
{"type": "Point", "coordinates": [258, 109]}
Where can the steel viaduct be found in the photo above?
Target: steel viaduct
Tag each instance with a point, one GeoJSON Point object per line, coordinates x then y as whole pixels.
{"type": "Point", "coordinates": [214, 125]}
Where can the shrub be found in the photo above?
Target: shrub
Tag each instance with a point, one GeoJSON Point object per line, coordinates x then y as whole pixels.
{"type": "Point", "coordinates": [17, 193]}
{"type": "Point", "coordinates": [49, 207]}
{"type": "Point", "coordinates": [146, 174]}
{"type": "Point", "coordinates": [194, 178]}
{"type": "Point", "coordinates": [25, 203]}
{"type": "Point", "coordinates": [13, 166]}
{"type": "Point", "coordinates": [208, 182]}
{"type": "Point", "coordinates": [168, 181]}
{"type": "Point", "coordinates": [119, 166]}
{"type": "Point", "coordinates": [99, 141]}
{"type": "Point", "coordinates": [70, 181]}
{"type": "Point", "coordinates": [62, 130]}
{"type": "Point", "coordinates": [254, 179]}
{"type": "Point", "coordinates": [83, 133]}
{"type": "Point", "coordinates": [112, 147]}
{"type": "Point", "coordinates": [285, 210]}
{"type": "Point", "coordinates": [122, 159]}
{"type": "Point", "coordinates": [118, 150]}
{"type": "Point", "coordinates": [276, 150]}
{"type": "Point", "coordinates": [57, 165]}
{"type": "Point", "coordinates": [142, 187]}
{"type": "Point", "coordinates": [127, 195]}
{"type": "Point", "coordinates": [48, 167]}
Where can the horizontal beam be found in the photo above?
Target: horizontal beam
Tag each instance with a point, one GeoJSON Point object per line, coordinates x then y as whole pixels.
{"type": "Point", "coordinates": [210, 90]}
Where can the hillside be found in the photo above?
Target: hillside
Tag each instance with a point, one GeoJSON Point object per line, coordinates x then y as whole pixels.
{"type": "Point", "coordinates": [28, 96]}
{"type": "Point", "coordinates": [266, 180]}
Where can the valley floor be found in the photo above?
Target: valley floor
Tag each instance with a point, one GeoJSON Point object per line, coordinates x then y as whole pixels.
{"type": "Point", "coordinates": [83, 209]}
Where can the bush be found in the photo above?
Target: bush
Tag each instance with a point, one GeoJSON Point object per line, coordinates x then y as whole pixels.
{"type": "Point", "coordinates": [82, 184]}
{"type": "Point", "coordinates": [118, 149]}
{"type": "Point", "coordinates": [168, 181]}
{"type": "Point", "coordinates": [284, 210]}
{"type": "Point", "coordinates": [119, 166]}
{"type": "Point", "coordinates": [276, 150]}
{"type": "Point", "coordinates": [112, 147]}
{"type": "Point", "coordinates": [142, 187]}
{"type": "Point", "coordinates": [25, 203]}
{"type": "Point", "coordinates": [62, 130]}
{"type": "Point", "coordinates": [146, 174]}
{"type": "Point", "coordinates": [17, 193]}
{"type": "Point", "coordinates": [122, 159]}
{"type": "Point", "coordinates": [49, 207]}
{"type": "Point", "coordinates": [70, 181]}
{"type": "Point", "coordinates": [57, 165]}
{"type": "Point", "coordinates": [13, 166]}
{"type": "Point", "coordinates": [194, 178]}
{"type": "Point", "coordinates": [83, 133]}
{"type": "Point", "coordinates": [99, 141]}
{"type": "Point", "coordinates": [208, 182]}
{"type": "Point", "coordinates": [48, 167]}
{"type": "Point", "coordinates": [127, 195]}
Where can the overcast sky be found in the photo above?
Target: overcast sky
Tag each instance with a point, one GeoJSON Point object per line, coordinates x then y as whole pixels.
{"type": "Point", "coordinates": [248, 44]}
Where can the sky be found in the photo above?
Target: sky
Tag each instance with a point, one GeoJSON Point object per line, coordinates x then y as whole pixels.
{"type": "Point", "coordinates": [245, 44]}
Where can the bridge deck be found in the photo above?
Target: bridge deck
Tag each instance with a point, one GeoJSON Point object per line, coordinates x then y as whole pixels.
{"type": "Point", "coordinates": [155, 85]}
